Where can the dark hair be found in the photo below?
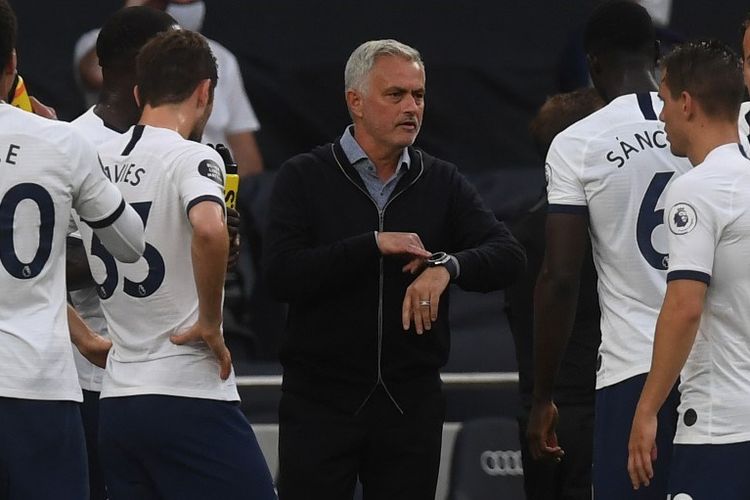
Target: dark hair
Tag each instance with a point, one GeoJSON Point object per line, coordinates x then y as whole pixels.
{"type": "Point", "coordinates": [8, 30]}
{"type": "Point", "coordinates": [171, 65]}
{"type": "Point", "coordinates": [561, 111]}
{"type": "Point", "coordinates": [710, 72]}
{"type": "Point", "coordinates": [620, 26]}
{"type": "Point", "coordinates": [126, 31]}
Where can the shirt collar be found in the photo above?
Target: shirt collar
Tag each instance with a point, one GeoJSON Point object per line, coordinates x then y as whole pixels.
{"type": "Point", "coordinates": [355, 153]}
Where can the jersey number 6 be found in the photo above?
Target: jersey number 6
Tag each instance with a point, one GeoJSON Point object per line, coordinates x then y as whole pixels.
{"type": "Point", "coordinates": [649, 218]}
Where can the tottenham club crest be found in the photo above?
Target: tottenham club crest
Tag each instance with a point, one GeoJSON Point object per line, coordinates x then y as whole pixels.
{"type": "Point", "coordinates": [682, 218]}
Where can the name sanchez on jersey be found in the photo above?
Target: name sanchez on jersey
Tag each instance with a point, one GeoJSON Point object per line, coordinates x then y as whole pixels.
{"type": "Point", "coordinates": [639, 142]}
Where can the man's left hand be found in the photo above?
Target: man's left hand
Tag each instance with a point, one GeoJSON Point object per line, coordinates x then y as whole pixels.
{"type": "Point", "coordinates": [423, 298]}
{"type": "Point", "coordinates": [642, 448]}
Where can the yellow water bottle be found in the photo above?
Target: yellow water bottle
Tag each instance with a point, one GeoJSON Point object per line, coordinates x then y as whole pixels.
{"type": "Point", "coordinates": [232, 179]}
{"type": "Point", "coordinates": [18, 96]}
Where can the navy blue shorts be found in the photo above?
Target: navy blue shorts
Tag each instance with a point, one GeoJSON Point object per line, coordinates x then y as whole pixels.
{"type": "Point", "coordinates": [169, 447]}
{"type": "Point", "coordinates": [613, 418]}
{"type": "Point", "coordinates": [42, 450]}
{"type": "Point", "coordinates": [710, 471]}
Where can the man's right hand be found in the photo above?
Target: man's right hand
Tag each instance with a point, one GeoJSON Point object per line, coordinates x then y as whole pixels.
{"type": "Point", "coordinates": [541, 431]}
{"type": "Point", "coordinates": [404, 244]}
{"type": "Point", "coordinates": [213, 337]}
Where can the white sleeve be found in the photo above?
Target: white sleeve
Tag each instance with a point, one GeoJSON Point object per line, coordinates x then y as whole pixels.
{"type": "Point", "coordinates": [199, 176]}
{"type": "Point", "coordinates": [695, 225]}
{"type": "Point", "coordinates": [242, 117]}
{"type": "Point", "coordinates": [99, 204]}
{"type": "Point", "coordinates": [565, 192]}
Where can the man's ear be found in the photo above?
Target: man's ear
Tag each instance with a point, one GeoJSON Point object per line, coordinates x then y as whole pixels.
{"type": "Point", "coordinates": [688, 104]}
{"type": "Point", "coordinates": [354, 102]}
{"type": "Point", "coordinates": [203, 93]}
{"type": "Point", "coordinates": [137, 96]}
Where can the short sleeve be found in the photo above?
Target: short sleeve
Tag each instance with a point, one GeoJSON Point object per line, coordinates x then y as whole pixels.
{"type": "Point", "coordinates": [96, 200]}
{"type": "Point", "coordinates": [565, 192]}
{"type": "Point", "coordinates": [199, 176]}
{"type": "Point", "coordinates": [695, 225]}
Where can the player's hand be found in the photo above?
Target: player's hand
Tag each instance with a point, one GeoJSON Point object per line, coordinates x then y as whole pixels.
{"type": "Point", "coordinates": [96, 349]}
{"type": "Point", "coordinates": [423, 298]}
{"type": "Point", "coordinates": [404, 244]}
{"type": "Point", "coordinates": [233, 227]}
{"type": "Point", "coordinates": [213, 337]}
{"type": "Point", "coordinates": [42, 110]}
{"type": "Point", "coordinates": [541, 431]}
{"type": "Point", "coordinates": [642, 448]}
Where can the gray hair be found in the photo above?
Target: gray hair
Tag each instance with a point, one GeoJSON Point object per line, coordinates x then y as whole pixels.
{"type": "Point", "coordinates": [363, 58]}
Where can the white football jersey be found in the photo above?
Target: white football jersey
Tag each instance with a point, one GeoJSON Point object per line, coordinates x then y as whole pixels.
{"type": "Point", "coordinates": [614, 165]}
{"type": "Point", "coordinates": [744, 126]}
{"type": "Point", "coordinates": [46, 168]}
{"type": "Point", "coordinates": [162, 176]}
{"type": "Point", "coordinates": [86, 301]}
{"type": "Point", "coordinates": [708, 213]}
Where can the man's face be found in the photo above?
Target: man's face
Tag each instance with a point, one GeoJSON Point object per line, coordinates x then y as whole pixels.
{"type": "Point", "coordinates": [746, 58]}
{"type": "Point", "coordinates": [392, 105]}
{"type": "Point", "coordinates": [672, 116]}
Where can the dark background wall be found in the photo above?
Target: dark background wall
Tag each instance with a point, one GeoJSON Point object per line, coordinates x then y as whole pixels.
{"type": "Point", "coordinates": [489, 64]}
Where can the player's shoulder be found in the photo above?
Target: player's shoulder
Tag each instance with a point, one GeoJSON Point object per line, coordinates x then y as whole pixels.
{"type": "Point", "coordinates": [59, 135]}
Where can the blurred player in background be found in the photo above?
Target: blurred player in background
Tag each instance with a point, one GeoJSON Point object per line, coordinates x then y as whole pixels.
{"type": "Point", "coordinates": [569, 479]}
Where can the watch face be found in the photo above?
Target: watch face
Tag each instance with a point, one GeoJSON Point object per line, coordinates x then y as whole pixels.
{"type": "Point", "coordinates": [438, 259]}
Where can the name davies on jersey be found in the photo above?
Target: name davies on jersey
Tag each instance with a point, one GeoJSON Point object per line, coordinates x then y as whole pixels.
{"type": "Point", "coordinates": [626, 148]}
{"type": "Point", "coordinates": [126, 173]}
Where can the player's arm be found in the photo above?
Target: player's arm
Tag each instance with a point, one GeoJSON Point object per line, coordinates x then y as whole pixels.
{"type": "Point", "coordinates": [209, 251]}
{"type": "Point", "coordinates": [555, 299]}
{"type": "Point", "coordinates": [676, 329]}
{"type": "Point", "coordinates": [92, 346]}
{"type": "Point", "coordinates": [100, 204]}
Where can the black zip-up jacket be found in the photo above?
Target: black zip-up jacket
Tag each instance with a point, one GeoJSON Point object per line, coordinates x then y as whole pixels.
{"type": "Point", "coordinates": [344, 335]}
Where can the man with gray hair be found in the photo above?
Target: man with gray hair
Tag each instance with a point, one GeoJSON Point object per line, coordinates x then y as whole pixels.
{"type": "Point", "coordinates": [364, 237]}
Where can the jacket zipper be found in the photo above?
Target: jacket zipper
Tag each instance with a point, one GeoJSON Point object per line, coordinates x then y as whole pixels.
{"type": "Point", "coordinates": [381, 217]}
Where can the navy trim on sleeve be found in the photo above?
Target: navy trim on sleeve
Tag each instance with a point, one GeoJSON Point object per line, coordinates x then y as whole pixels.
{"type": "Point", "coordinates": [567, 209]}
{"type": "Point", "coordinates": [742, 150]}
{"type": "Point", "coordinates": [137, 133]}
{"type": "Point", "coordinates": [646, 105]}
{"type": "Point", "coordinates": [689, 275]}
{"type": "Point", "coordinates": [107, 221]}
{"type": "Point", "coordinates": [205, 197]}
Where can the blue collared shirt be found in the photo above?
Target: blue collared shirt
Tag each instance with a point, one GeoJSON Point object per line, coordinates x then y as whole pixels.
{"type": "Point", "coordinates": [379, 190]}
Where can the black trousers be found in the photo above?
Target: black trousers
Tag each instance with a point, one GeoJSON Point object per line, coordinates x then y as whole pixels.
{"type": "Point", "coordinates": [322, 451]}
{"type": "Point", "coordinates": [571, 478]}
